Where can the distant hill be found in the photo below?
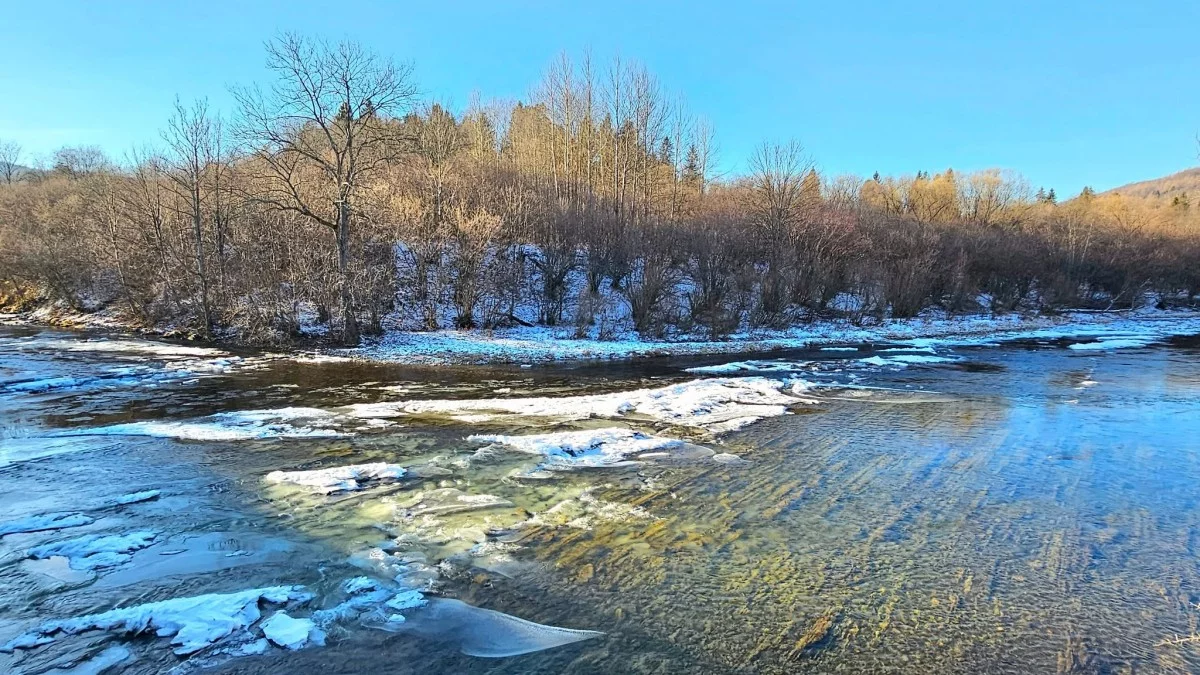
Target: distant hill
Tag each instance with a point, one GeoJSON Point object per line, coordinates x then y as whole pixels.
{"type": "Point", "coordinates": [1164, 188]}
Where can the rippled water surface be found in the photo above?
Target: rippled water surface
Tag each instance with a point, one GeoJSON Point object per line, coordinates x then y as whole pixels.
{"type": "Point", "coordinates": [1023, 508]}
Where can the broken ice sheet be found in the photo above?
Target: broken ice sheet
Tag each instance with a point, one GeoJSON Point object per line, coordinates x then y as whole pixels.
{"type": "Point", "coordinates": [586, 448]}
{"type": "Point", "coordinates": [480, 632]}
{"type": "Point", "coordinates": [340, 478]}
{"type": "Point", "coordinates": [91, 552]}
{"type": "Point", "coordinates": [698, 403]}
{"type": "Point", "coordinates": [193, 622]}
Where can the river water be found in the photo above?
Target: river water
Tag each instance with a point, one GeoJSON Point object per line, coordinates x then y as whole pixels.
{"type": "Point", "coordinates": [1024, 507]}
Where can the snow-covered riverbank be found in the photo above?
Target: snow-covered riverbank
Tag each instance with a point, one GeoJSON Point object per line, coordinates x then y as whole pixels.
{"type": "Point", "coordinates": [538, 344]}
{"type": "Point", "coordinates": [529, 345]}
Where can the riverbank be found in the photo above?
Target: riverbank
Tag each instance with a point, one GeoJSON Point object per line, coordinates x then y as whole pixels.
{"type": "Point", "coordinates": [537, 344]}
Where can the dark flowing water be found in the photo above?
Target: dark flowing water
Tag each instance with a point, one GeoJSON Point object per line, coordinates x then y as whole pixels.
{"type": "Point", "coordinates": [1025, 508]}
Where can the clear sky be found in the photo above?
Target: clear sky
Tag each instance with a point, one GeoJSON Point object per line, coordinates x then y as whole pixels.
{"type": "Point", "coordinates": [1069, 93]}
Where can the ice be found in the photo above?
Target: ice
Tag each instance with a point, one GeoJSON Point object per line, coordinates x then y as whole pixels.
{"type": "Point", "coordinates": [99, 663]}
{"type": "Point", "coordinates": [751, 367]}
{"type": "Point", "coordinates": [193, 623]}
{"type": "Point", "coordinates": [95, 551]}
{"type": "Point", "coordinates": [698, 403]}
{"type": "Point", "coordinates": [291, 633]}
{"type": "Point", "coordinates": [903, 360]}
{"type": "Point", "coordinates": [231, 426]}
{"type": "Point", "coordinates": [588, 448]}
{"type": "Point", "coordinates": [484, 632]}
{"type": "Point", "coordinates": [44, 384]}
{"type": "Point", "coordinates": [136, 497]}
{"type": "Point", "coordinates": [340, 479]}
{"type": "Point", "coordinates": [135, 347]}
{"type": "Point", "coordinates": [48, 521]}
{"type": "Point", "coordinates": [1112, 343]}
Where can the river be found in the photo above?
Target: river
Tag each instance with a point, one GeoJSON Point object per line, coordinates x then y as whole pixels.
{"type": "Point", "coordinates": [1021, 507]}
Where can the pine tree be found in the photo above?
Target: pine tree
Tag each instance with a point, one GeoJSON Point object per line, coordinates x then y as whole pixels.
{"type": "Point", "coordinates": [1051, 198]}
{"type": "Point", "coordinates": [1087, 193]}
{"type": "Point", "coordinates": [666, 153]}
{"type": "Point", "coordinates": [691, 167]}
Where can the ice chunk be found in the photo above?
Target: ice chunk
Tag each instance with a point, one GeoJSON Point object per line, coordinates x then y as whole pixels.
{"type": "Point", "coordinates": [698, 403]}
{"type": "Point", "coordinates": [95, 551]}
{"type": "Point", "coordinates": [591, 447]}
{"type": "Point", "coordinates": [291, 633]}
{"type": "Point", "coordinates": [341, 478]}
{"type": "Point", "coordinates": [99, 663]}
{"type": "Point", "coordinates": [1113, 343]}
{"type": "Point", "coordinates": [483, 632]}
{"type": "Point", "coordinates": [193, 623]}
{"type": "Point", "coordinates": [240, 426]}
{"type": "Point", "coordinates": [48, 521]}
{"type": "Point", "coordinates": [136, 497]}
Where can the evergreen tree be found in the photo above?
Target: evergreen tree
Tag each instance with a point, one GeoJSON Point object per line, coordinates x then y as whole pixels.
{"type": "Point", "coordinates": [666, 153]}
{"type": "Point", "coordinates": [691, 167]}
{"type": "Point", "coordinates": [1051, 198]}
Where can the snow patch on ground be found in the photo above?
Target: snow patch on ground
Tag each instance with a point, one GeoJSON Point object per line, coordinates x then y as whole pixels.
{"type": "Point", "coordinates": [341, 478]}
{"type": "Point", "coordinates": [588, 448]}
{"type": "Point", "coordinates": [539, 344]}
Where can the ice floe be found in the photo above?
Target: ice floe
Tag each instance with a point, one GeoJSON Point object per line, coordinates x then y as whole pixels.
{"type": "Point", "coordinates": [192, 623]}
{"type": "Point", "coordinates": [230, 426]}
{"type": "Point", "coordinates": [340, 478]}
{"type": "Point", "coordinates": [48, 521]}
{"type": "Point", "coordinates": [291, 633]}
{"type": "Point", "coordinates": [100, 663]}
{"type": "Point", "coordinates": [586, 448]}
{"type": "Point", "coordinates": [95, 551]}
{"type": "Point", "coordinates": [698, 403]}
{"type": "Point", "coordinates": [1113, 343]}
{"type": "Point", "coordinates": [903, 360]}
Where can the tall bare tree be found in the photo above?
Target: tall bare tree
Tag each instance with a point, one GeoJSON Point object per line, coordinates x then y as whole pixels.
{"type": "Point", "coordinates": [190, 136]}
{"type": "Point", "coordinates": [322, 132]}
{"type": "Point", "coordinates": [10, 155]}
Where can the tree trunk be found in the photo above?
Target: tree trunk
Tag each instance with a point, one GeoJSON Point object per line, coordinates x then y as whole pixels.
{"type": "Point", "coordinates": [350, 333]}
{"type": "Point", "coordinates": [198, 232]}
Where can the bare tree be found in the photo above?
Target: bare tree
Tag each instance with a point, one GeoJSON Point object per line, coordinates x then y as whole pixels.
{"type": "Point", "coordinates": [322, 132]}
{"type": "Point", "coordinates": [190, 137]}
{"type": "Point", "coordinates": [10, 154]}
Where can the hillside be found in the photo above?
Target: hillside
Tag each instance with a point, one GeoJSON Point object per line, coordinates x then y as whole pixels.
{"type": "Point", "coordinates": [1165, 188]}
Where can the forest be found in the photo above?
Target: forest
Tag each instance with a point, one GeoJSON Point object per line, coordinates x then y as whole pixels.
{"type": "Point", "coordinates": [335, 201]}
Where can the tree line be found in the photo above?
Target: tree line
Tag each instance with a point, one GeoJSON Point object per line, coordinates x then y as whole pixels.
{"type": "Point", "coordinates": [333, 198]}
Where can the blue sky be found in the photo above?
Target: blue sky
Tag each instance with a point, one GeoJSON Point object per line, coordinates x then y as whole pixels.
{"type": "Point", "coordinates": [1068, 93]}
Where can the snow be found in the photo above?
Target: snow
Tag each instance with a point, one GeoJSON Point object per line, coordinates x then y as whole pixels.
{"type": "Point", "coordinates": [193, 623]}
{"type": "Point", "coordinates": [340, 479]}
{"type": "Point", "coordinates": [291, 633]}
{"type": "Point", "coordinates": [230, 426]}
{"type": "Point", "coordinates": [525, 345]}
{"type": "Point", "coordinates": [751, 367]}
{"type": "Point", "coordinates": [94, 551]}
{"type": "Point", "coordinates": [49, 521]}
{"type": "Point", "coordinates": [698, 403]}
{"type": "Point", "coordinates": [902, 360]}
{"type": "Point", "coordinates": [588, 448]}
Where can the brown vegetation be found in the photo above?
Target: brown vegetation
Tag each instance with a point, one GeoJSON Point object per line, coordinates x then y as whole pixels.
{"type": "Point", "coordinates": [331, 197]}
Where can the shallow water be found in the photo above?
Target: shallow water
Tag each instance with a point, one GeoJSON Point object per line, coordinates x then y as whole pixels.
{"type": "Point", "coordinates": [1023, 508]}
